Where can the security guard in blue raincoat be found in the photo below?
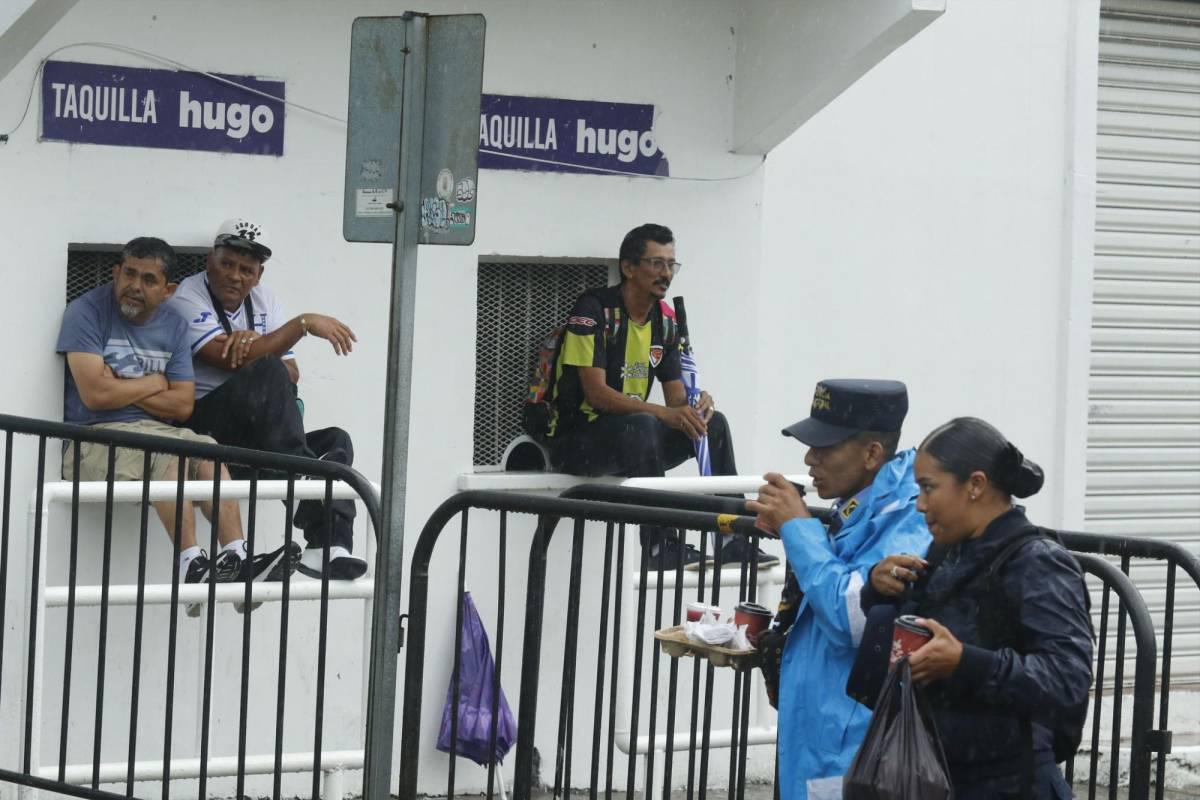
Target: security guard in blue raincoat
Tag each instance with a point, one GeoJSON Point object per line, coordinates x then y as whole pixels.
{"type": "Point", "coordinates": [852, 434]}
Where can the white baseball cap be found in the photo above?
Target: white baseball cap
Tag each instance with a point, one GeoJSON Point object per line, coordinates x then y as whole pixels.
{"type": "Point", "coordinates": [243, 234]}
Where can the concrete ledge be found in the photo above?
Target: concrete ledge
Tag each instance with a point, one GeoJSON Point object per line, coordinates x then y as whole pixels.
{"type": "Point", "coordinates": [556, 482]}
{"type": "Point", "coordinates": [525, 481]}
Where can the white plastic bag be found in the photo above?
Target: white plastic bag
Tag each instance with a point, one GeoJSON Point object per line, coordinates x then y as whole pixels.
{"type": "Point", "coordinates": [710, 631]}
{"type": "Point", "coordinates": [739, 641]}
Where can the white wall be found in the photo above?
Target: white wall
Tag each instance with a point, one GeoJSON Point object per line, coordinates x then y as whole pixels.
{"type": "Point", "coordinates": [793, 58]}
{"type": "Point", "coordinates": [916, 229]}
{"type": "Point", "coordinates": [56, 193]}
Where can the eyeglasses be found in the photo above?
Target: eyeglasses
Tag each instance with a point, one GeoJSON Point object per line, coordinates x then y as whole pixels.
{"type": "Point", "coordinates": [662, 264]}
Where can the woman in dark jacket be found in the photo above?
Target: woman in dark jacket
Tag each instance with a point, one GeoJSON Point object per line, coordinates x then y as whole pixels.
{"type": "Point", "coordinates": [1010, 661]}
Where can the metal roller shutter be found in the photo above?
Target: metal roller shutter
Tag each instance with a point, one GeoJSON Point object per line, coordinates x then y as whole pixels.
{"type": "Point", "coordinates": [1144, 388]}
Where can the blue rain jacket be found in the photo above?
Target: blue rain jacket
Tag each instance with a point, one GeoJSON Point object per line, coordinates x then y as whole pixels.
{"type": "Point", "coordinates": [820, 726]}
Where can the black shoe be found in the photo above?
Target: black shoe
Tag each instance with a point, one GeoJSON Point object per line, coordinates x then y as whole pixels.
{"type": "Point", "coordinates": [272, 566]}
{"type": "Point", "coordinates": [227, 567]}
{"type": "Point", "coordinates": [667, 557]}
{"type": "Point", "coordinates": [738, 551]}
{"type": "Point", "coordinates": [197, 572]}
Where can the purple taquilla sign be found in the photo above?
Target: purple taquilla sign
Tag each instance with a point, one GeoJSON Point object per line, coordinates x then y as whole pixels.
{"type": "Point", "coordinates": [134, 107]}
{"type": "Point", "coordinates": [583, 136]}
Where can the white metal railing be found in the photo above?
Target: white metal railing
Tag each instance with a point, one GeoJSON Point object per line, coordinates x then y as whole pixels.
{"type": "Point", "coordinates": [57, 493]}
{"type": "Point", "coordinates": [708, 484]}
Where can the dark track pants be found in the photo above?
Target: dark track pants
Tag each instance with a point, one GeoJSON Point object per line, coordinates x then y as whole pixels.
{"type": "Point", "coordinates": [638, 446]}
{"type": "Point", "coordinates": [256, 408]}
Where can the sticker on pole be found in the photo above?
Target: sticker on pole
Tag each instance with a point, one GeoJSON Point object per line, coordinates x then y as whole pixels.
{"type": "Point", "coordinates": [450, 150]}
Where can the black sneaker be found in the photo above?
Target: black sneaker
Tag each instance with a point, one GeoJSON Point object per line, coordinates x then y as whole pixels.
{"type": "Point", "coordinates": [738, 551]}
{"type": "Point", "coordinates": [197, 572]}
{"type": "Point", "coordinates": [227, 567]}
{"type": "Point", "coordinates": [667, 557]}
{"type": "Point", "coordinates": [272, 566]}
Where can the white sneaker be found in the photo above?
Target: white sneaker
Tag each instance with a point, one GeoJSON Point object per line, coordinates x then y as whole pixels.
{"type": "Point", "coordinates": [343, 565]}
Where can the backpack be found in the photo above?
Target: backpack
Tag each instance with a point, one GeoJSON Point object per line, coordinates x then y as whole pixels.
{"type": "Point", "coordinates": [1067, 727]}
{"type": "Point", "coordinates": [537, 412]}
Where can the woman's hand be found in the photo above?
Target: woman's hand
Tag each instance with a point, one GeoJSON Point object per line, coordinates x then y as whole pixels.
{"type": "Point", "coordinates": [937, 659]}
{"type": "Point", "coordinates": [890, 576]}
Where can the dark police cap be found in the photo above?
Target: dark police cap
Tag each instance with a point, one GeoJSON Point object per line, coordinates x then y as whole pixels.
{"type": "Point", "coordinates": [843, 408]}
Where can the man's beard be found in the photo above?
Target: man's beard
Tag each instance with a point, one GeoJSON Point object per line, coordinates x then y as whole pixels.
{"type": "Point", "coordinates": [129, 311]}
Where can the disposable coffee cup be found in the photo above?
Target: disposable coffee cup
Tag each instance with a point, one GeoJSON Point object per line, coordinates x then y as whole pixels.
{"type": "Point", "coordinates": [907, 637]}
{"type": "Point", "coordinates": [696, 610]}
{"type": "Point", "coordinates": [756, 618]}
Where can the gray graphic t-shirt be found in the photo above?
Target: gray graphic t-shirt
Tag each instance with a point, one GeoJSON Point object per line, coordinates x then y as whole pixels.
{"type": "Point", "coordinates": [92, 323]}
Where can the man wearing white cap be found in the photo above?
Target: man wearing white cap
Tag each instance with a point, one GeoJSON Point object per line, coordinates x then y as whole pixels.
{"type": "Point", "coordinates": [246, 377]}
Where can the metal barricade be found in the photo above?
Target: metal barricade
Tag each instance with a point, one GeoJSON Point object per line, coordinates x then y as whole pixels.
{"type": "Point", "coordinates": [1147, 738]}
{"type": "Point", "coordinates": [1130, 611]}
{"type": "Point", "coordinates": [669, 722]}
{"type": "Point", "coordinates": [117, 677]}
{"type": "Point", "coordinates": [1131, 607]}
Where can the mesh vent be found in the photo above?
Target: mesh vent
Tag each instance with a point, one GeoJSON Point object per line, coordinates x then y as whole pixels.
{"type": "Point", "coordinates": [517, 305]}
{"type": "Point", "coordinates": [90, 265]}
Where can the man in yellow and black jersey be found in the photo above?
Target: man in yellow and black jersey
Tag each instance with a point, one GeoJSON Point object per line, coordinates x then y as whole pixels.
{"type": "Point", "coordinates": [629, 355]}
{"type": "Point", "coordinates": [617, 341]}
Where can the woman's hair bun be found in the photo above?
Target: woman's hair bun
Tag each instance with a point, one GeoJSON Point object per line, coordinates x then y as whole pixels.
{"type": "Point", "coordinates": [1017, 474]}
{"type": "Point", "coordinates": [1027, 480]}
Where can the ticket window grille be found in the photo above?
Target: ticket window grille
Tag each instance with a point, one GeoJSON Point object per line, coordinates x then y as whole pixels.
{"type": "Point", "coordinates": [518, 303]}
{"type": "Point", "coordinates": [90, 265]}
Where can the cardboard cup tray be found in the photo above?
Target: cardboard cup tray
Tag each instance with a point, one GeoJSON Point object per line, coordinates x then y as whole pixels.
{"type": "Point", "coordinates": [676, 644]}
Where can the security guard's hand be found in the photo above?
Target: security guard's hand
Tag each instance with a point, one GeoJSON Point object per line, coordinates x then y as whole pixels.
{"type": "Point", "coordinates": [778, 502]}
{"type": "Point", "coordinates": [706, 406]}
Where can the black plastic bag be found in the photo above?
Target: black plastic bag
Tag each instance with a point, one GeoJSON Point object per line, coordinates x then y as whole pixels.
{"type": "Point", "coordinates": [901, 757]}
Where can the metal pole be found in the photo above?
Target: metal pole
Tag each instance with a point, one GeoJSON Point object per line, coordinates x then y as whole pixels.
{"type": "Point", "coordinates": [385, 636]}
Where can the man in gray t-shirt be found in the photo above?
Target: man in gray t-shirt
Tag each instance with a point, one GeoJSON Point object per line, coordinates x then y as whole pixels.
{"type": "Point", "coordinates": [129, 368]}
